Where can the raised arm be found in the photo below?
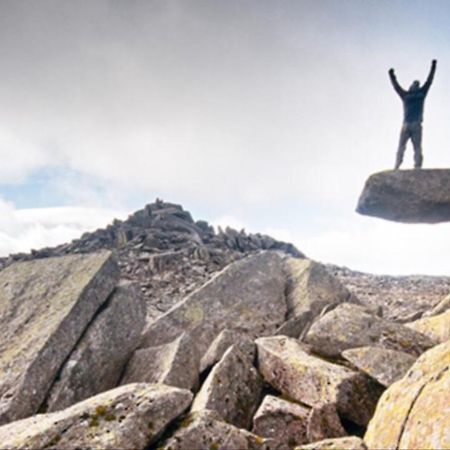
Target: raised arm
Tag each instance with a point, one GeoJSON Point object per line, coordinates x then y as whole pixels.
{"type": "Point", "coordinates": [427, 84]}
{"type": "Point", "coordinates": [400, 91]}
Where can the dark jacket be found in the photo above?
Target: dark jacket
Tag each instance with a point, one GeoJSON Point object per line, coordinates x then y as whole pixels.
{"type": "Point", "coordinates": [413, 100]}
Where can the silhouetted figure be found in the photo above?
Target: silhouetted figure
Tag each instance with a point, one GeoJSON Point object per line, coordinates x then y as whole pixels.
{"type": "Point", "coordinates": [413, 100]}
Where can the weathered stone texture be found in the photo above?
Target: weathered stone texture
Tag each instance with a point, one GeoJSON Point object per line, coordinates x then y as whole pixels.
{"type": "Point", "coordinates": [232, 389]}
{"type": "Point", "coordinates": [324, 423]}
{"type": "Point", "coordinates": [248, 295]}
{"type": "Point", "coordinates": [283, 421]}
{"type": "Point", "coordinates": [98, 360]}
{"type": "Point", "coordinates": [411, 196]}
{"type": "Point", "coordinates": [130, 417]}
{"type": "Point", "coordinates": [350, 326]}
{"type": "Point", "coordinates": [286, 365]}
{"type": "Point", "coordinates": [311, 289]}
{"type": "Point", "coordinates": [205, 430]}
{"type": "Point", "coordinates": [344, 443]}
{"type": "Point", "coordinates": [174, 364]}
{"type": "Point", "coordinates": [414, 412]}
{"type": "Point", "coordinates": [222, 343]}
{"type": "Point", "coordinates": [436, 327]}
{"type": "Point", "coordinates": [384, 365]}
{"type": "Point", "coordinates": [45, 305]}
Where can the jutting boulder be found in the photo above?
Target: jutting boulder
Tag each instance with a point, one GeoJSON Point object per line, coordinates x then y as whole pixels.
{"type": "Point", "coordinates": [99, 358]}
{"type": "Point", "coordinates": [287, 367]}
{"type": "Point", "coordinates": [410, 196]}
{"type": "Point", "coordinates": [130, 417]}
{"type": "Point", "coordinates": [45, 306]}
{"type": "Point", "coordinates": [247, 295]}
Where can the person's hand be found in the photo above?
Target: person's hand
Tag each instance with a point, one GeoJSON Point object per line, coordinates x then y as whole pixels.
{"type": "Point", "coordinates": [434, 62]}
{"type": "Point", "coordinates": [391, 71]}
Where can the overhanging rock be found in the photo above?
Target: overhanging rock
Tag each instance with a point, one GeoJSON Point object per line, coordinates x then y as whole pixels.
{"type": "Point", "coordinates": [410, 196]}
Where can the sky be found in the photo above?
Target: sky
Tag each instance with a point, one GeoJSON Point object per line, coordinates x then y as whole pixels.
{"type": "Point", "coordinates": [267, 115]}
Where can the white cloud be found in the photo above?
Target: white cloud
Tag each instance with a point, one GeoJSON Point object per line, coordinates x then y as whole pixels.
{"type": "Point", "coordinates": [24, 229]}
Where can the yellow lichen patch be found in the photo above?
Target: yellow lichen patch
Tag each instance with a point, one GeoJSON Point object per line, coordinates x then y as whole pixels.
{"type": "Point", "coordinates": [436, 327]}
{"type": "Point", "coordinates": [414, 412]}
{"type": "Point", "coordinates": [194, 315]}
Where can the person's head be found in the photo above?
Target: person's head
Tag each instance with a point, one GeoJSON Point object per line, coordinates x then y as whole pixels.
{"type": "Point", "coordinates": [415, 85]}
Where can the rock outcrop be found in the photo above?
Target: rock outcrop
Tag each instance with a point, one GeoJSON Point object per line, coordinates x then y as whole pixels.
{"type": "Point", "coordinates": [174, 364]}
{"type": "Point", "coordinates": [384, 365]}
{"type": "Point", "coordinates": [126, 418]}
{"type": "Point", "coordinates": [99, 358]}
{"type": "Point", "coordinates": [350, 326]}
{"type": "Point", "coordinates": [290, 369]}
{"type": "Point", "coordinates": [283, 421]}
{"type": "Point", "coordinates": [210, 313]}
{"type": "Point", "coordinates": [248, 296]}
{"type": "Point", "coordinates": [165, 251]}
{"type": "Point", "coordinates": [232, 389]}
{"type": "Point", "coordinates": [222, 343]}
{"type": "Point", "coordinates": [310, 290]}
{"type": "Point", "coordinates": [206, 430]}
{"type": "Point", "coordinates": [45, 306]}
{"type": "Point", "coordinates": [411, 196]}
{"type": "Point", "coordinates": [416, 408]}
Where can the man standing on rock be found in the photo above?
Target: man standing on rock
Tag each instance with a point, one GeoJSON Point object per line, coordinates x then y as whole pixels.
{"type": "Point", "coordinates": [413, 100]}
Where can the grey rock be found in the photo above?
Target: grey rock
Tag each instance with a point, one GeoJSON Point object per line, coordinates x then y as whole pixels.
{"type": "Point", "coordinates": [222, 343]}
{"type": "Point", "coordinates": [324, 423]}
{"type": "Point", "coordinates": [344, 443]}
{"type": "Point", "coordinates": [410, 196]}
{"type": "Point", "coordinates": [281, 420]}
{"type": "Point", "coordinates": [205, 431]}
{"type": "Point", "coordinates": [45, 305]}
{"type": "Point", "coordinates": [350, 326]}
{"type": "Point", "coordinates": [99, 358]}
{"type": "Point", "coordinates": [384, 365]}
{"type": "Point", "coordinates": [311, 290]}
{"type": "Point", "coordinates": [287, 367]}
{"type": "Point", "coordinates": [174, 364]}
{"type": "Point", "coordinates": [130, 417]}
{"type": "Point", "coordinates": [232, 389]}
{"type": "Point", "coordinates": [248, 295]}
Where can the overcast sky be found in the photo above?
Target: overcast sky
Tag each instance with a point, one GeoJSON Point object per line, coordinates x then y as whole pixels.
{"type": "Point", "coordinates": [263, 114]}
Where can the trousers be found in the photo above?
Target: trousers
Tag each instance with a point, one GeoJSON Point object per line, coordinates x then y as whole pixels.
{"type": "Point", "coordinates": [411, 131]}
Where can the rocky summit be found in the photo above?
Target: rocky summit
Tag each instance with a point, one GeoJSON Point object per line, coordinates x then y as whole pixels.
{"type": "Point", "coordinates": [410, 196]}
{"type": "Point", "coordinates": [159, 332]}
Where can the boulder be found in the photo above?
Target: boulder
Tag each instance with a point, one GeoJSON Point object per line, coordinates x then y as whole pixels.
{"type": "Point", "coordinates": [205, 430]}
{"type": "Point", "coordinates": [174, 364]}
{"type": "Point", "coordinates": [232, 389]}
{"type": "Point", "coordinates": [45, 306]}
{"type": "Point", "coordinates": [384, 365]}
{"type": "Point", "coordinates": [311, 289]}
{"type": "Point", "coordinates": [283, 421]}
{"type": "Point", "coordinates": [247, 295]}
{"type": "Point", "coordinates": [350, 326]}
{"type": "Point", "coordinates": [222, 343]}
{"type": "Point", "coordinates": [324, 423]}
{"type": "Point", "coordinates": [416, 408]}
{"type": "Point", "coordinates": [436, 327]}
{"type": "Point", "coordinates": [129, 417]}
{"type": "Point", "coordinates": [287, 367]}
{"type": "Point", "coordinates": [99, 358]}
{"type": "Point", "coordinates": [343, 443]}
{"type": "Point", "coordinates": [410, 196]}
{"type": "Point", "coordinates": [441, 307]}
